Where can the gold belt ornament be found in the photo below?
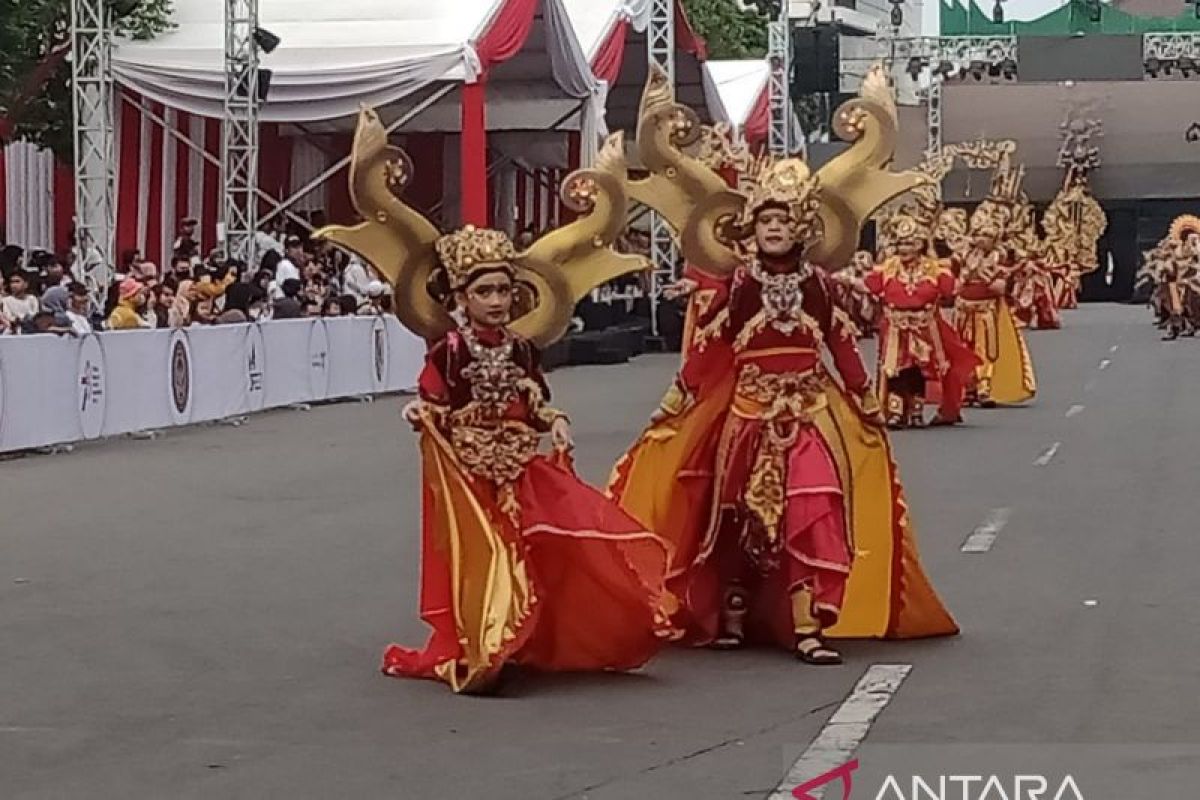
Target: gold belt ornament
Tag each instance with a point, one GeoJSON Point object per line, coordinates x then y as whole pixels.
{"type": "Point", "coordinates": [496, 452]}
{"type": "Point", "coordinates": [910, 319]}
{"type": "Point", "coordinates": [783, 395]}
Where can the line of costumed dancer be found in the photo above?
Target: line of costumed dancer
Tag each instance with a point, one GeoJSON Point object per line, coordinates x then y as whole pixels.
{"type": "Point", "coordinates": [762, 502]}
{"type": "Point", "coordinates": [1171, 271]}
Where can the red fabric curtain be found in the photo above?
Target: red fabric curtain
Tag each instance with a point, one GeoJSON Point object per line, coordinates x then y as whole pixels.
{"type": "Point", "coordinates": [473, 143]}
{"type": "Point", "coordinates": [130, 142]}
{"type": "Point", "coordinates": [275, 163]}
{"type": "Point", "coordinates": [64, 205]}
{"type": "Point", "coordinates": [686, 38]}
{"type": "Point", "coordinates": [341, 208]}
{"type": "Point", "coordinates": [507, 32]}
{"type": "Point", "coordinates": [3, 201]}
{"type": "Point", "coordinates": [758, 124]}
{"type": "Point", "coordinates": [427, 151]}
{"type": "Point", "coordinates": [606, 64]}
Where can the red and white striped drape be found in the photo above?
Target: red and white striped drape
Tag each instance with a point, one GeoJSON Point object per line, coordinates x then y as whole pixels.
{"type": "Point", "coordinates": [37, 200]}
{"type": "Point", "coordinates": [537, 201]}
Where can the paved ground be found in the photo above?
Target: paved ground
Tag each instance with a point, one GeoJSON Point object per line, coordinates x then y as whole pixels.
{"type": "Point", "coordinates": [202, 615]}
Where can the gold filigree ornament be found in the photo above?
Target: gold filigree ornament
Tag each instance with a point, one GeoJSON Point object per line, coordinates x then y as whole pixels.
{"type": "Point", "coordinates": [704, 211]}
{"type": "Point", "coordinates": [559, 269]}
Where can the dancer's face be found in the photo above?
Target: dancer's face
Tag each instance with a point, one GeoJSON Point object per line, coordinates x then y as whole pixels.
{"type": "Point", "coordinates": [488, 300]}
{"type": "Point", "coordinates": [775, 232]}
{"type": "Point", "coordinates": [907, 248]}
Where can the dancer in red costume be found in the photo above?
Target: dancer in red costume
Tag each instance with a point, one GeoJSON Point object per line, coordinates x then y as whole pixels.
{"type": "Point", "coordinates": [522, 563]}
{"type": "Point", "coordinates": [772, 478]}
{"type": "Point", "coordinates": [917, 347]}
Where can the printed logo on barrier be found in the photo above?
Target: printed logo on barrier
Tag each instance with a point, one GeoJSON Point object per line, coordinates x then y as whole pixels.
{"type": "Point", "coordinates": [180, 376]}
{"type": "Point", "coordinates": [92, 392]}
{"type": "Point", "coordinates": [318, 360]}
{"type": "Point", "coordinates": [379, 349]}
{"type": "Point", "coordinates": [256, 369]}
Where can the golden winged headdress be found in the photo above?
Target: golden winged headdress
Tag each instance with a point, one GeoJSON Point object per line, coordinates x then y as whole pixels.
{"type": "Point", "coordinates": [1184, 225]}
{"type": "Point", "coordinates": [556, 272]}
{"type": "Point", "coordinates": [829, 206]}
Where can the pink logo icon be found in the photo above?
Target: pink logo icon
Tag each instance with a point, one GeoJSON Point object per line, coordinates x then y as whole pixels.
{"type": "Point", "coordinates": [844, 773]}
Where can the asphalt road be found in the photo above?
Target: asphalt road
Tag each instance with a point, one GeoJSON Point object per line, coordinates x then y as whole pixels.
{"type": "Point", "coordinates": [202, 615]}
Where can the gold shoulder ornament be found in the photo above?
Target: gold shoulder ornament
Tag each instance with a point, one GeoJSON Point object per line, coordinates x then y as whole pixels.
{"type": "Point", "coordinates": [556, 272]}
{"type": "Point", "coordinates": [710, 218]}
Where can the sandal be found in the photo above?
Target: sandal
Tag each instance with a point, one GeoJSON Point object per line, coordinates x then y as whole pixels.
{"type": "Point", "coordinates": [812, 649]}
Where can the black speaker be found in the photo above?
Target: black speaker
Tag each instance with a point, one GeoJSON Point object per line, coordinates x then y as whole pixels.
{"type": "Point", "coordinates": [816, 59]}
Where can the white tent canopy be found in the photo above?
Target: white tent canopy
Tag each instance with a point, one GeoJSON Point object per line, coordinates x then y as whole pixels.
{"type": "Point", "coordinates": [336, 56]}
{"type": "Point", "coordinates": [735, 88]}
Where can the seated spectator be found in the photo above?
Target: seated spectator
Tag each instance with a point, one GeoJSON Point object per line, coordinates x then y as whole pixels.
{"type": "Point", "coordinates": [43, 322]}
{"type": "Point", "coordinates": [79, 309]}
{"type": "Point", "coordinates": [18, 306]}
{"type": "Point", "coordinates": [162, 299]}
{"type": "Point", "coordinates": [128, 313]}
{"type": "Point", "coordinates": [232, 316]}
{"type": "Point", "coordinates": [146, 272]}
{"type": "Point", "coordinates": [349, 304]}
{"type": "Point", "coordinates": [289, 306]}
{"type": "Point", "coordinates": [56, 300]}
{"type": "Point", "coordinates": [332, 308]}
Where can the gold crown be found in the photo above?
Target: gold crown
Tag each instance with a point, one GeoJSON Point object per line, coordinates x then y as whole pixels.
{"type": "Point", "coordinates": [903, 225]}
{"type": "Point", "coordinates": [1184, 225]}
{"type": "Point", "coordinates": [788, 183]}
{"type": "Point", "coordinates": [465, 251]}
{"type": "Point", "coordinates": [990, 219]}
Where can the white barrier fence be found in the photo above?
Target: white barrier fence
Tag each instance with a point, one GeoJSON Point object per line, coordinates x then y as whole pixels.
{"type": "Point", "coordinates": [55, 390]}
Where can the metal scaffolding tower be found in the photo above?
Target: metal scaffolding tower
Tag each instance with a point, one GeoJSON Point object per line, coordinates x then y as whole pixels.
{"type": "Point", "coordinates": [239, 147]}
{"type": "Point", "coordinates": [95, 177]}
{"type": "Point", "coordinates": [660, 42]}
{"type": "Point", "coordinates": [779, 56]}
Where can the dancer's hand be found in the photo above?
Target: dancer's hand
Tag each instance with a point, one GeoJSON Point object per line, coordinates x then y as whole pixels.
{"type": "Point", "coordinates": [412, 413]}
{"type": "Point", "coordinates": [683, 287]}
{"type": "Point", "coordinates": [560, 435]}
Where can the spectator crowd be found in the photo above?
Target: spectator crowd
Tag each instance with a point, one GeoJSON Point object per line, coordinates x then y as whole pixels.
{"type": "Point", "coordinates": [294, 278]}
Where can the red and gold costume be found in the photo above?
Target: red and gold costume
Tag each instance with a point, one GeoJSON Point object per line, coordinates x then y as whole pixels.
{"type": "Point", "coordinates": [522, 562]}
{"type": "Point", "coordinates": [772, 478]}
{"type": "Point", "coordinates": [1178, 276]}
{"type": "Point", "coordinates": [1034, 283]}
{"type": "Point", "coordinates": [985, 322]}
{"type": "Point", "coordinates": [918, 349]}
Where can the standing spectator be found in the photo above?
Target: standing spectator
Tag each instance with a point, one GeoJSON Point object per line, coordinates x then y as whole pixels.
{"type": "Point", "coordinates": [128, 313]}
{"type": "Point", "coordinates": [289, 306]}
{"type": "Point", "coordinates": [146, 272]}
{"type": "Point", "coordinates": [181, 270]}
{"type": "Point", "coordinates": [186, 244]}
{"type": "Point", "coordinates": [55, 276]}
{"type": "Point", "coordinates": [374, 305]}
{"type": "Point", "coordinates": [290, 265]}
{"type": "Point", "coordinates": [78, 309]}
{"type": "Point", "coordinates": [357, 278]}
{"type": "Point", "coordinates": [130, 261]}
{"type": "Point", "coordinates": [19, 306]}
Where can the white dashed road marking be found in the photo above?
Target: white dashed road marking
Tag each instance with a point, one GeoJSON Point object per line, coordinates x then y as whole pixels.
{"type": "Point", "coordinates": [846, 729]}
{"type": "Point", "coordinates": [1074, 410]}
{"type": "Point", "coordinates": [1048, 456]}
{"type": "Point", "coordinates": [984, 536]}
